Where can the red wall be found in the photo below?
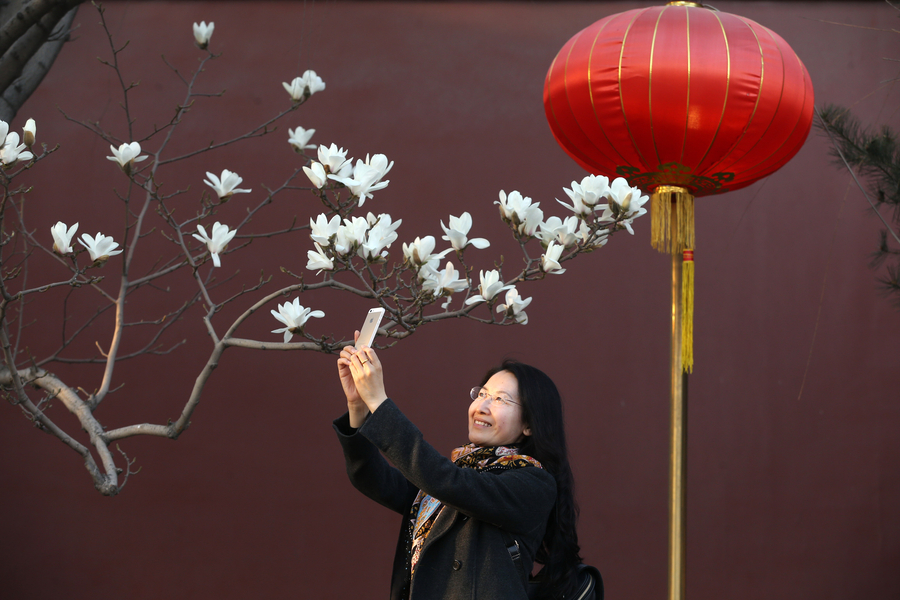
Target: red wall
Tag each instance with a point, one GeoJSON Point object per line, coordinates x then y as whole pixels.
{"type": "Point", "coordinates": [793, 451]}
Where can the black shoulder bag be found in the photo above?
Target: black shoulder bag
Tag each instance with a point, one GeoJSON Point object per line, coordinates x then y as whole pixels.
{"type": "Point", "coordinates": [590, 582]}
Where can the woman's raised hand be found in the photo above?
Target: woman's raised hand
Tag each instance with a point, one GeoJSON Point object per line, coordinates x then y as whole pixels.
{"type": "Point", "coordinates": [368, 377]}
{"type": "Point", "coordinates": [355, 406]}
{"type": "Point", "coordinates": [362, 379]}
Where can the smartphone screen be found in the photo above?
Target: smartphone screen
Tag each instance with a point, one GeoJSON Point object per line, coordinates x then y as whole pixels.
{"type": "Point", "coordinates": [370, 327]}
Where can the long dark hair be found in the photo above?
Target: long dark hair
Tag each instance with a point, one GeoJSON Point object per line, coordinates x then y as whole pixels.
{"type": "Point", "coordinates": [543, 413]}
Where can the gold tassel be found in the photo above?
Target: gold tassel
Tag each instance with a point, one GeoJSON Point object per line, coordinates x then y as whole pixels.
{"type": "Point", "coordinates": [663, 212]}
{"type": "Point", "coordinates": [671, 232]}
{"type": "Point", "coordinates": [660, 214]}
{"type": "Point", "coordinates": [687, 311]}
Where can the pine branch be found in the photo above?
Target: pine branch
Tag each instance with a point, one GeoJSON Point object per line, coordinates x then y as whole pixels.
{"type": "Point", "coordinates": [873, 155]}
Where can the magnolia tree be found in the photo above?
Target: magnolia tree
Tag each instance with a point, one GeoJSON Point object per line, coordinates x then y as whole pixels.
{"type": "Point", "coordinates": [350, 249]}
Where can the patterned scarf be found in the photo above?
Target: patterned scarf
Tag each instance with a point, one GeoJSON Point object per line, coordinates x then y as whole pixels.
{"type": "Point", "coordinates": [425, 508]}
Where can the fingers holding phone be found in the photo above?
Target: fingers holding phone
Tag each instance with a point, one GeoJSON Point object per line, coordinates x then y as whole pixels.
{"type": "Point", "coordinates": [360, 370]}
{"type": "Point", "coordinates": [354, 402]}
{"type": "Point", "coordinates": [364, 364]}
{"type": "Point", "coordinates": [368, 377]}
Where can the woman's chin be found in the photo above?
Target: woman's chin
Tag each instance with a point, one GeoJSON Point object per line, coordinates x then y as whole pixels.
{"type": "Point", "coordinates": [477, 438]}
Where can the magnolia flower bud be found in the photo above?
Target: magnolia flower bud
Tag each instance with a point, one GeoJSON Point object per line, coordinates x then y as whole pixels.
{"type": "Point", "coordinates": [28, 133]}
{"type": "Point", "coordinates": [202, 33]}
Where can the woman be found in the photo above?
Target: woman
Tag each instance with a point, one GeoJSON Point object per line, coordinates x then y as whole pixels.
{"type": "Point", "coordinates": [475, 524]}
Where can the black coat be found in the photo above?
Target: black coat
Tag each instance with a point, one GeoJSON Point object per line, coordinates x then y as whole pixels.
{"type": "Point", "coordinates": [465, 555]}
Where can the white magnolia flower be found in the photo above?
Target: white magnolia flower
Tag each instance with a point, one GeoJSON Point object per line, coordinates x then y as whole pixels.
{"type": "Point", "coordinates": [490, 286]}
{"type": "Point", "coordinates": [29, 131]}
{"type": "Point", "coordinates": [62, 237]}
{"type": "Point", "coordinates": [294, 316]}
{"type": "Point", "coordinates": [524, 214]}
{"type": "Point", "coordinates": [515, 306]}
{"type": "Point", "coordinates": [382, 233]}
{"type": "Point", "coordinates": [126, 156]}
{"type": "Point", "coordinates": [419, 252]}
{"type": "Point", "coordinates": [380, 163]}
{"type": "Point", "coordinates": [459, 229]}
{"type": "Point", "coordinates": [296, 88]}
{"type": "Point", "coordinates": [562, 232]}
{"type": "Point", "coordinates": [365, 177]}
{"type": "Point", "coordinates": [202, 33]}
{"type": "Point", "coordinates": [12, 151]}
{"type": "Point", "coordinates": [350, 235]}
{"type": "Point", "coordinates": [621, 193]}
{"type": "Point", "coordinates": [509, 204]}
{"type": "Point", "coordinates": [443, 283]}
{"type": "Point", "coordinates": [316, 173]}
{"type": "Point", "coordinates": [550, 259]}
{"type": "Point", "coordinates": [227, 185]}
{"type": "Point", "coordinates": [586, 195]}
{"type": "Point", "coordinates": [4, 129]}
{"type": "Point", "coordinates": [322, 229]}
{"type": "Point", "coordinates": [304, 86]}
{"type": "Point", "coordinates": [626, 200]}
{"type": "Point", "coordinates": [356, 228]}
{"type": "Point", "coordinates": [334, 159]}
{"type": "Point", "coordinates": [578, 207]}
{"type": "Point", "coordinates": [299, 139]}
{"type": "Point", "coordinates": [318, 260]}
{"type": "Point", "coordinates": [221, 235]}
{"type": "Point", "coordinates": [100, 248]}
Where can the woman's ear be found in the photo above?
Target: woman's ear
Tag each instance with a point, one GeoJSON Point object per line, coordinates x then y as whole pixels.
{"type": "Point", "coordinates": [526, 431]}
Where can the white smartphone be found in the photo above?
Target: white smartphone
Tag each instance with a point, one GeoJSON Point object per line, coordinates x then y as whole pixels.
{"type": "Point", "coordinates": [370, 327]}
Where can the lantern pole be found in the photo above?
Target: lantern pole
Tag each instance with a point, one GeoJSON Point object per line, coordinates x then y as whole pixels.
{"type": "Point", "coordinates": [678, 437]}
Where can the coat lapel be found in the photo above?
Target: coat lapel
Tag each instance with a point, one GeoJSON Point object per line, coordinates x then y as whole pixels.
{"type": "Point", "coordinates": [442, 524]}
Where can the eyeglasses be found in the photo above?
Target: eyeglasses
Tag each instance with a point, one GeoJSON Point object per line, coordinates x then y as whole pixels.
{"type": "Point", "coordinates": [480, 394]}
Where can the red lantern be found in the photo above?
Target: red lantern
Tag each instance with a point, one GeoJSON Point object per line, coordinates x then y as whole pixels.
{"type": "Point", "coordinates": [679, 95]}
{"type": "Point", "coordinates": [681, 101]}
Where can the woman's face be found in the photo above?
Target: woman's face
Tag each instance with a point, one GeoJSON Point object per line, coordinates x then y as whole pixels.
{"type": "Point", "coordinates": [494, 423]}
